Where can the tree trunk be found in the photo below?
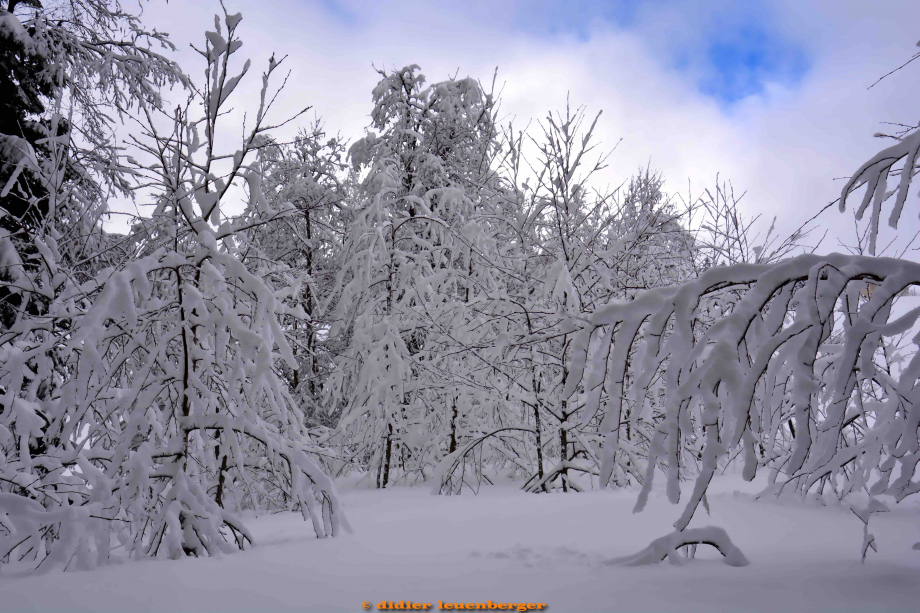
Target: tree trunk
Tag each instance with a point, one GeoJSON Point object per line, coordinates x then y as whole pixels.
{"type": "Point", "coordinates": [388, 453]}
{"type": "Point", "coordinates": [308, 302]}
{"type": "Point", "coordinates": [564, 433]}
{"type": "Point", "coordinates": [221, 480]}
{"type": "Point", "coordinates": [563, 452]}
{"type": "Point", "coordinates": [453, 429]}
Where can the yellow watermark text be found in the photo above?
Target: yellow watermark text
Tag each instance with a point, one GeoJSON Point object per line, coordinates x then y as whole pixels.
{"type": "Point", "coordinates": [408, 605]}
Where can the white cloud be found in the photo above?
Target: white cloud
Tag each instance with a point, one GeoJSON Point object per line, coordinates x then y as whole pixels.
{"type": "Point", "coordinates": [784, 147]}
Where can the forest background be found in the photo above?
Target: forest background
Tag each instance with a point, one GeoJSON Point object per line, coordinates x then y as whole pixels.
{"type": "Point", "coordinates": [450, 295]}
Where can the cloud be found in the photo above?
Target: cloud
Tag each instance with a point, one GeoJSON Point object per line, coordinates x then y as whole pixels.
{"type": "Point", "coordinates": [546, 17]}
{"type": "Point", "coordinates": [730, 49]}
{"type": "Point", "coordinates": [339, 11]}
{"type": "Point", "coordinates": [773, 97]}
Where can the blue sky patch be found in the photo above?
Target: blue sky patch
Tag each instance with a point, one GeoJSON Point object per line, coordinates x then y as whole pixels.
{"type": "Point", "coordinates": [733, 50]}
{"type": "Point", "coordinates": [742, 61]}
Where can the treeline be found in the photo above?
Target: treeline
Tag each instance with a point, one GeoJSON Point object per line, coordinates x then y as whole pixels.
{"type": "Point", "coordinates": [444, 300]}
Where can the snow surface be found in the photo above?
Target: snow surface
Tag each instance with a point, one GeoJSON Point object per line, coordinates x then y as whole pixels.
{"type": "Point", "coordinates": [507, 546]}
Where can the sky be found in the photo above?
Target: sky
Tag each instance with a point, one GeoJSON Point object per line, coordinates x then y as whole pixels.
{"type": "Point", "coordinates": [771, 96]}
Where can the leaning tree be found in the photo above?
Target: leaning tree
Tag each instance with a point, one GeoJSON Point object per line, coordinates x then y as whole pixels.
{"type": "Point", "coordinates": [806, 367]}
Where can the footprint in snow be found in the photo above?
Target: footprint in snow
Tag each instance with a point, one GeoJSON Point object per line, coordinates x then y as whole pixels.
{"type": "Point", "coordinates": [544, 556]}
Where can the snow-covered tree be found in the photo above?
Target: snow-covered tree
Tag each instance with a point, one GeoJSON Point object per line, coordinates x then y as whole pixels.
{"type": "Point", "coordinates": [791, 372]}
{"type": "Point", "coordinates": [565, 249]}
{"type": "Point", "coordinates": [875, 173]}
{"type": "Point", "coordinates": [160, 413]}
{"type": "Point", "coordinates": [60, 64]}
{"type": "Point", "coordinates": [409, 265]}
{"type": "Point", "coordinates": [309, 174]}
{"type": "Point", "coordinates": [69, 71]}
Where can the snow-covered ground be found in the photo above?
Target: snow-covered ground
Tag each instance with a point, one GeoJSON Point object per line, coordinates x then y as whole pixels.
{"type": "Point", "coordinates": [507, 546]}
